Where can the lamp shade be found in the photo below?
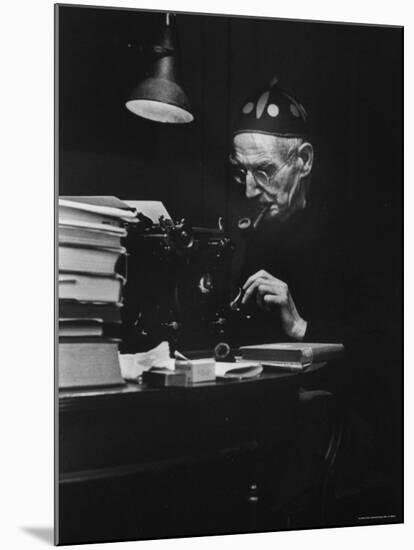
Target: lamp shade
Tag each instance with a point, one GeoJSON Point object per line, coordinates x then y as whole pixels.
{"type": "Point", "coordinates": [160, 97]}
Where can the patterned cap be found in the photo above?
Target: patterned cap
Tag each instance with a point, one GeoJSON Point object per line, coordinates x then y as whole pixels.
{"type": "Point", "coordinates": [273, 111]}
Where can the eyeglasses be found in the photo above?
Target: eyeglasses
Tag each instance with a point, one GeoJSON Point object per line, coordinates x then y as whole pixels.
{"type": "Point", "coordinates": [261, 177]}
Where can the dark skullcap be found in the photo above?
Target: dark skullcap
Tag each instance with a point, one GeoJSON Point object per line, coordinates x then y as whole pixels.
{"type": "Point", "coordinates": [273, 111]}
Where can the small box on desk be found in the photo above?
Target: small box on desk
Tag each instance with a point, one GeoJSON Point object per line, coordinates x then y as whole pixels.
{"type": "Point", "coordinates": [163, 377]}
{"type": "Point", "coordinates": [197, 370]}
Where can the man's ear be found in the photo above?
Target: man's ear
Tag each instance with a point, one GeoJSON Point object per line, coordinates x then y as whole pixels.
{"type": "Point", "coordinates": [305, 155]}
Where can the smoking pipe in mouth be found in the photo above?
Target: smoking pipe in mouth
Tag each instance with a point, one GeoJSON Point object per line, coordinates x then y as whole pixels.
{"type": "Point", "coordinates": [246, 223]}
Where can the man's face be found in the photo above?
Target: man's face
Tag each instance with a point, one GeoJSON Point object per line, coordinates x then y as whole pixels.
{"type": "Point", "coordinates": [269, 173]}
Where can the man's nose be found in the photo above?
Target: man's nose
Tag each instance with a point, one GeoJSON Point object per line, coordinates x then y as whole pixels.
{"type": "Point", "coordinates": [251, 188]}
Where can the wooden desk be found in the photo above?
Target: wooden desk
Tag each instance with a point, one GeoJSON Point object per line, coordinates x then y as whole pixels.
{"type": "Point", "coordinates": [139, 462]}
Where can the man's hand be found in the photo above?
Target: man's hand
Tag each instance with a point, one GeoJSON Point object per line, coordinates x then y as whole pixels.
{"type": "Point", "coordinates": [273, 294]}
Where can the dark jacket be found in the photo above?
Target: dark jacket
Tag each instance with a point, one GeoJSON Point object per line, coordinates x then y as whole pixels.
{"type": "Point", "coordinates": [328, 278]}
{"type": "Point", "coordinates": [342, 288]}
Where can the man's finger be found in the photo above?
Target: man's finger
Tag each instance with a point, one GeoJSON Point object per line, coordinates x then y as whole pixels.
{"type": "Point", "coordinates": [262, 286]}
{"type": "Point", "coordinates": [269, 294]}
{"type": "Point", "coordinates": [273, 299]}
{"type": "Point", "coordinates": [268, 288]}
{"type": "Point", "coordinates": [251, 289]}
{"type": "Point", "coordinates": [252, 278]}
{"type": "Point", "coordinates": [275, 286]}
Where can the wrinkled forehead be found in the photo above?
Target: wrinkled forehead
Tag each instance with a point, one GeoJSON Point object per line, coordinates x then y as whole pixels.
{"type": "Point", "coordinates": [253, 147]}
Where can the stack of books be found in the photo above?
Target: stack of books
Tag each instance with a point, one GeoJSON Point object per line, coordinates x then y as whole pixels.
{"type": "Point", "coordinates": [91, 263]}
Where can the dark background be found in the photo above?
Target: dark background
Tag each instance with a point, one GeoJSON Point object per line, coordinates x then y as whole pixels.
{"type": "Point", "coordinates": [349, 78]}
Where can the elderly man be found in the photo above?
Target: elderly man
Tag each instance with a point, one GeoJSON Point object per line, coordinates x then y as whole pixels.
{"type": "Point", "coordinates": [293, 279]}
{"type": "Point", "coordinates": [273, 158]}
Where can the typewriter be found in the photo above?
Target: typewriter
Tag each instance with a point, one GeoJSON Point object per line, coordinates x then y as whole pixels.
{"type": "Point", "coordinates": [178, 286]}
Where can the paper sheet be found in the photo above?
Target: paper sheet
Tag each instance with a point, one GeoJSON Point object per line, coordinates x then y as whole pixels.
{"type": "Point", "coordinates": [152, 209]}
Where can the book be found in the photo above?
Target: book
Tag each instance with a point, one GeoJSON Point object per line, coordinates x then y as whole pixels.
{"type": "Point", "coordinates": [294, 355]}
{"type": "Point", "coordinates": [88, 363]}
{"type": "Point", "coordinates": [91, 235]}
{"type": "Point", "coordinates": [90, 287]}
{"type": "Point", "coordinates": [108, 313]}
{"type": "Point", "coordinates": [92, 327]}
{"type": "Point", "coordinates": [80, 327]}
{"type": "Point", "coordinates": [84, 213]}
{"type": "Point", "coordinates": [89, 259]}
